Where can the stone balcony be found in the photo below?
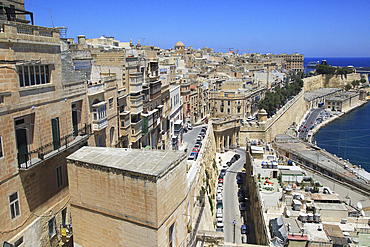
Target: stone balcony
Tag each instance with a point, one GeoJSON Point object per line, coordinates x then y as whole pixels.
{"type": "Point", "coordinates": [24, 33]}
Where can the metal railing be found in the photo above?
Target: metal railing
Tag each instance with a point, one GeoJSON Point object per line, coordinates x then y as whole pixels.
{"type": "Point", "coordinates": [28, 158]}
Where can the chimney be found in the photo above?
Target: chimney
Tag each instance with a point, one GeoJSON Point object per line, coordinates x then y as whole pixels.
{"type": "Point", "coordinates": [81, 39]}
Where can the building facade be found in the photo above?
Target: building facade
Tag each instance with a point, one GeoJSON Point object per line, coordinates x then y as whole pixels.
{"type": "Point", "coordinates": [125, 203]}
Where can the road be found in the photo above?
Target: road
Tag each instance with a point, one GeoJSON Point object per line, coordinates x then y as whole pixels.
{"type": "Point", "coordinates": [230, 200]}
{"type": "Point", "coordinates": [311, 118]}
{"type": "Point", "coordinates": [190, 138]}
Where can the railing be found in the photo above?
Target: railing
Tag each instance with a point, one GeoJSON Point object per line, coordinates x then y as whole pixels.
{"type": "Point", "coordinates": [34, 157]}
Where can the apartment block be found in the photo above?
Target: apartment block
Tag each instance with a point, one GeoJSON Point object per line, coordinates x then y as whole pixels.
{"type": "Point", "coordinates": [44, 118]}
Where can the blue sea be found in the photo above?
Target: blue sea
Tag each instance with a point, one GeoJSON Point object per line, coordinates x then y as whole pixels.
{"type": "Point", "coordinates": [341, 61]}
{"type": "Point", "coordinates": [348, 136]}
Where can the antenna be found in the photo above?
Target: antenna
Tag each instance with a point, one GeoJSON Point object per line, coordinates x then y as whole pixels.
{"type": "Point", "coordinates": [52, 22]}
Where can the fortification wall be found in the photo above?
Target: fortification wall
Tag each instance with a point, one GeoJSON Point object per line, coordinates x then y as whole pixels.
{"type": "Point", "coordinates": [292, 112]}
{"type": "Point", "coordinates": [336, 81]}
{"type": "Point", "coordinates": [339, 80]}
{"type": "Point", "coordinates": [312, 83]}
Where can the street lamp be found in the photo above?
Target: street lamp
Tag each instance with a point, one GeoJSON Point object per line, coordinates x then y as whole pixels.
{"type": "Point", "coordinates": [234, 223]}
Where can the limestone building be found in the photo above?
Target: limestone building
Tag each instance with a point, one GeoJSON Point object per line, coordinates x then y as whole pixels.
{"type": "Point", "coordinates": [44, 118]}
{"type": "Point", "coordinates": [128, 197]}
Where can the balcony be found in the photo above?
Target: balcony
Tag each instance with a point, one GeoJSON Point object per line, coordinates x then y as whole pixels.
{"type": "Point", "coordinates": [95, 88]}
{"type": "Point", "coordinates": [136, 82]}
{"type": "Point", "coordinates": [99, 115]}
{"type": "Point", "coordinates": [136, 104]}
{"type": "Point", "coordinates": [136, 131]}
{"type": "Point", "coordinates": [178, 127]}
{"type": "Point", "coordinates": [125, 126]}
{"type": "Point", "coordinates": [36, 156]}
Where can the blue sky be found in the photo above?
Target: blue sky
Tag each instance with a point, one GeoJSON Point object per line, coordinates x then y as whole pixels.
{"type": "Point", "coordinates": [325, 28]}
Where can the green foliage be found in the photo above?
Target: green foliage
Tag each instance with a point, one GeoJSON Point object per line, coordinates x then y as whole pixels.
{"type": "Point", "coordinates": [214, 164]}
{"type": "Point", "coordinates": [355, 83]}
{"type": "Point", "coordinates": [210, 203]}
{"type": "Point", "coordinates": [325, 69]}
{"type": "Point", "coordinates": [344, 71]}
{"type": "Point", "coordinates": [278, 98]}
{"type": "Point", "coordinates": [347, 87]}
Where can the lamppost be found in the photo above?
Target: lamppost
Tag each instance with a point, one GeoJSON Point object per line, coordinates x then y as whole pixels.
{"type": "Point", "coordinates": [234, 223]}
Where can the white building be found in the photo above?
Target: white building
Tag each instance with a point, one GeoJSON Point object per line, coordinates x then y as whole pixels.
{"type": "Point", "coordinates": [176, 118]}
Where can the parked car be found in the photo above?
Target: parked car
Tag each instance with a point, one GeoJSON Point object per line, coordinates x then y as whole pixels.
{"type": "Point", "coordinates": [225, 167]}
{"type": "Point", "coordinates": [221, 176]}
{"type": "Point", "coordinates": [223, 171]}
{"type": "Point", "coordinates": [219, 213]}
{"type": "Point", "coordinates": [237, 156]}
{"type": "Point", "coordinates": [191, 158]}
{"type": "Point", "coordinates": [195, 149]}
{"type": "Point", "coordinates": [240, 192]}
{"type": "Point", "coordinates": [238, 175]}
{"type": "Point", "coordinates": [239, 181]}
{"type": "Point", "coordinates": [220, 181]}
{"type": "Point", "coordinates": [190, 127]}
{"type": "Point", "coordinates": [228, 163]}
{"type": "Point", "coordinates": [199, 138]}
{"type": "Point", "coordinates": [197, 145]}
{"type": "Point", "coordinates": [219, 204]}
{"type": "Point", "coordinates": [220, 223]}
{"type": "Point", "coordinates": [244, 229]}
{"type": "Point", "coordinates": [242, 206]}
{"type": "Point", "coordinates": [233, 159]}
{"type": "Point", "coordinates": [194, 154]}
{"type": "Point", "coordinates": [219, 197]}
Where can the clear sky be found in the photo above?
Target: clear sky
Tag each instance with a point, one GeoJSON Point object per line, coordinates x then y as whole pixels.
{"type": "Point", "coordinates": [325, 28]}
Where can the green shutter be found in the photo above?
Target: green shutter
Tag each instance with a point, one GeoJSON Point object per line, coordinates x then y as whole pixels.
{"type": "Point", "coordinates": [56, 132]}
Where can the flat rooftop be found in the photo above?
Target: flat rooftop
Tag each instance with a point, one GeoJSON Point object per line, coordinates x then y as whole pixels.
{"type": "Point", "coordinates": [150, 162]}
{"type": "Point", "coordinates": [321, 92]}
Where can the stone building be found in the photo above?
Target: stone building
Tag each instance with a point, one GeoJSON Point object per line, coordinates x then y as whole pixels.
{"type": "Point", "coordinates": [292, 62]}
{"type": "Point", "coordinates": [342, 101]}
{"type": "Point", "coordinates": [44, 117]}
{"type": "Point", "coordinates": [129, 197]}
{"type": "Point", "coordinates": [226, 133]}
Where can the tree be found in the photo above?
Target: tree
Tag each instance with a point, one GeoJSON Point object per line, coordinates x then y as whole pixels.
{"type": "Point", "coordinates": [347, 87]}
{"type": "Point", "coordinates": [325, 69]}
{"type": "Point", "coordinates": [355, 83]}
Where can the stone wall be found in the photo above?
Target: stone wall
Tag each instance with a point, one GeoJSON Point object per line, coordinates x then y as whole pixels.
{"type": "Point", "coordinates": [291, 112]}
{"type": "Point", "coordinates": [335, 81]}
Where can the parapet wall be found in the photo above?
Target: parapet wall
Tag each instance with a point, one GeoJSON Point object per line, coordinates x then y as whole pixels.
{"type": "Point", "coordinates": [291, 112]}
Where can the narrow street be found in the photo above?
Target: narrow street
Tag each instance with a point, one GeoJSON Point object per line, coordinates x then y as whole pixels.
{"type": "Point", "coordinates": [230, 199]}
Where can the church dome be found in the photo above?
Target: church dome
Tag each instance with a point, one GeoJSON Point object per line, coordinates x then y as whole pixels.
{"type": "Point", "coordinates": [179, 45]}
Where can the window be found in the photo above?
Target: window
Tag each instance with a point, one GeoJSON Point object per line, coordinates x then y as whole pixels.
{"type": "Point", "coordinates": [1, 147]}
{"type": "Point", "coordinates": [228, 110]}
{"type": "Point", "coordinates": [172, 236]}
{"type": "Point", "coordinates": [238, 109]}
{"type": "Point", "coordinates": [1, 99]}
{"type": "Point", "coordinates": [122, 124]}
{"type": "Point", "coordinates": [14, 205]}
{"type": "Point", "coordinates": [59, 176]}
{"type": "Point", "coordinates": [111, 103]}
{"type": "Point", "coordinates": [18, 242]}
{"type": "Point", "coordinates": [228, 102]}
{"type": "Point", "coordinates": [30, 75]}
{"type": "Point", "coordinates": [52, 231]}
{"type": "Point", "coordinates": [100, 141]}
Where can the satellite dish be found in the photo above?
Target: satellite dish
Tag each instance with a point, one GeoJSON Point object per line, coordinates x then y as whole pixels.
{"type": "Point", "coordinates": [359, 205]}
